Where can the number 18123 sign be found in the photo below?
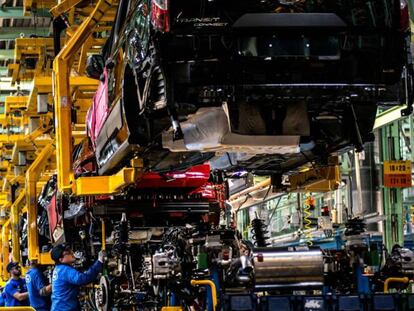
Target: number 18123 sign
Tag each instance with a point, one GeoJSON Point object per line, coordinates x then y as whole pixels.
{"type": "Point", "coordinates": [397, 174]}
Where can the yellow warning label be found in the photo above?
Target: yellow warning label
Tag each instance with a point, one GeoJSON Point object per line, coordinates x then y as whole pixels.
{"type": "Point", "coordinates": [397, 167]}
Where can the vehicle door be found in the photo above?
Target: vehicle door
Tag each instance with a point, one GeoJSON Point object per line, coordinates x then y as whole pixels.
{"type": "Point", "coordinates": [105, 94]}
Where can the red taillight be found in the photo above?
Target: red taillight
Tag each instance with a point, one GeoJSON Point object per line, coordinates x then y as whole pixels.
{"type": "Point", "coordinates": [404, 16]}
{"type": "Point", "coordinates": [160, 16]}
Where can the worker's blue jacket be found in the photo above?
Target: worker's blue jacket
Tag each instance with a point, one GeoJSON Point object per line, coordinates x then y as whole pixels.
{"type": "Point", "coordinates": [35, 281]}
{"type": "Point", "coordinates": [65, 285]}
{"type": "Point", "coordinates": [12, 287]}
{"type": "Point", "coordinates": [2, 299]}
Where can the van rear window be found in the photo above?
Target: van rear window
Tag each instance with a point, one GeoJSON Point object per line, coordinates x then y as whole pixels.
{"type": "Point", "coordinates": [268, 47]}
{"type": "Point", "coordinates": [359, 13]}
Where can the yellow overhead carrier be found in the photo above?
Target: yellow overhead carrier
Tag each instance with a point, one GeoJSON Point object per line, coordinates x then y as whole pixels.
{"type": "Point", "coordinates": [32, 176]}
{"type": "Point", "coordinates": [62, 66]}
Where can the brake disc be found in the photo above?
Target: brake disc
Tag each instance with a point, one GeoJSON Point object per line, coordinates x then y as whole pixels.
{"type": "Point", "coordinates": [102, 294]}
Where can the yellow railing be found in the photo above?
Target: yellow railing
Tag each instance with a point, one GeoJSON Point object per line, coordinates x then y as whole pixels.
{"type": "Point", "coordinates": [387, 282]}
{"type": "Point", "coordinates": [212, 289]}
{"type": "Point", "coordinates": [17, 309]}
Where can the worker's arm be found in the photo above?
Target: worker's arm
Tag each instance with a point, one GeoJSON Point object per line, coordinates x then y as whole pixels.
{"type": "Point", "coordinates": [46, 290]}
{"type": "Point", "coordinates": [21, 296]}
{"type": "Point", "coordinates": [75, 277]}
{"type": "Point", "coordinates": [14, 292]}
{"type": "Point", "coordinates": [40, 285]}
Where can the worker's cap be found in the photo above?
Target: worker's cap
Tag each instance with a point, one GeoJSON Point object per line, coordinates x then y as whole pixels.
{"type": "Point", "coordinates": [11, 265]}
{"type": "Point", "coordinates": [58, 250]}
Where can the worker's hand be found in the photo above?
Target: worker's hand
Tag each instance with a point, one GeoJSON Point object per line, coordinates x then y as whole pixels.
{"type": "Point", "coordinates": [45, 291]}
{"type": "Point", "coordinates": [102, 256]}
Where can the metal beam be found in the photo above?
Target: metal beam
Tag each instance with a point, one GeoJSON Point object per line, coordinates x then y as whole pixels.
{"type": "Point", "coordinates": [17, 12]}
{"type": "Point", "coordinates": [388, 116]}
{"type": "Point", "coordinates": [5, 237]}
{"type": "Point", "coordinates": [32, 176]}
{"type": "Point", "coordinates": [15, 232]}
{"type": "Point", "coordinates": [10, 33]}
{"type": "Point", "coordinates": [392, 197]}
{"type": "Point", "coordinates": [63, 6]}
{"type": "Point", "coordinates": [103, 185]}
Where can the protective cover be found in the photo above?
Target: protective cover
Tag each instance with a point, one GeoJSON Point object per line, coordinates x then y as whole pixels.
{"type": "Point", "coordinates": [209, 130]}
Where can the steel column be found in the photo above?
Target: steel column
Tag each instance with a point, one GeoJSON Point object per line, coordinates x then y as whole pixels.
{"type": "Point", "coordinates": [5, 236]}
{"type": "Point", "coordinates": [15, 232]}
{"type": "Point", "coordinates": [392, 197]}
{"type": "Point", "coordinates": [32, 176]}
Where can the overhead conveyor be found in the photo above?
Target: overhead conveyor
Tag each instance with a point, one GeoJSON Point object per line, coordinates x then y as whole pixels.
{"type": "Point", "coordinates": [32, 177]}
{"type": "Point", "coordinates": [63, 105]}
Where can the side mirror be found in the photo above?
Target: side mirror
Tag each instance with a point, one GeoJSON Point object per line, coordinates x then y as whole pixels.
{"type": "Point", "coordinates": [95, 66]}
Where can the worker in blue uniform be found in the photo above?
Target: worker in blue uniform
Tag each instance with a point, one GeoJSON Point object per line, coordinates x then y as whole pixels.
{"type": "Point", "coordinates": [16, 294]}
{"type": "Point", "coordinates": [38, 288]}
{"type": "Point", "coordinates": [2, 297]}
{"type": "Point", "coordinates": [66, 280]}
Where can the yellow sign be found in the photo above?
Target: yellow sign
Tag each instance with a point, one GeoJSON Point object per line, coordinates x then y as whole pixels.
{"type": "Point", "coordinates": [397, 174]}
{"type": "Point", "coordinates": [397, 167]}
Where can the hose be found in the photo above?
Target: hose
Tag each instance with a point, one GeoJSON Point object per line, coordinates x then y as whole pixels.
{"type": "Point", "coordinates": [307, 225]}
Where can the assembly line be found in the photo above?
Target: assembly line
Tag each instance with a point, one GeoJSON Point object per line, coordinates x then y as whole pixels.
{"type": "Point", "coordinates": [228, 155]}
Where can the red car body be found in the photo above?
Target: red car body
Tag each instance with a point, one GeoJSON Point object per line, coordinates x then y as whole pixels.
{"type": "Point", "coordinates": [195, 177]}
{"type": "Point", "coordinates": [99, 110]}
{"type": "Point", "coordinates": [191, 187]}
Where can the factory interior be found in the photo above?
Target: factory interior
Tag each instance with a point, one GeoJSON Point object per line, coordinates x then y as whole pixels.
{"type": "Point", "coordinates": [206, 155]}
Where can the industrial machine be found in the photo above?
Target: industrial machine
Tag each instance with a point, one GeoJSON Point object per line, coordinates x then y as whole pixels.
{"type": "Point", "coordinates": [152, 268]}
